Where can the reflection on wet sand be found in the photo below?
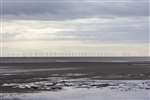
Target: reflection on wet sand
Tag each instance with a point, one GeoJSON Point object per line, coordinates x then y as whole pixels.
{"type": "Point", "coordinates": [61, 80]}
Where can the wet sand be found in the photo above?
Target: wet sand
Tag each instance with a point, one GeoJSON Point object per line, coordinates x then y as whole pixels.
{"type": "Point", "coordinates": [81, 94]}
{"type": "Point", "coordinates": [26, 70]}
{"type": "Point", "coordinates": [96, 78]}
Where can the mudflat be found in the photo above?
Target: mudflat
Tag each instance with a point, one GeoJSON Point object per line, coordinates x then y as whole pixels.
{"type": "Point", "coordinates": [28, 70]}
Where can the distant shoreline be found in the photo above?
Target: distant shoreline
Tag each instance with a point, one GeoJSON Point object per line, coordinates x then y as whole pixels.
{"type": "Point", "coordinates": [74, 59]}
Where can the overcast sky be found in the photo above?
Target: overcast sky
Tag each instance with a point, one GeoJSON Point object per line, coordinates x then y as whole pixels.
{"type": "Point", "coordinates": [111, 27]}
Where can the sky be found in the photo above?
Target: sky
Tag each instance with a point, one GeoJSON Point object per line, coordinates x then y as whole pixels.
{"type": "Point", "coordinates": [75, 28]}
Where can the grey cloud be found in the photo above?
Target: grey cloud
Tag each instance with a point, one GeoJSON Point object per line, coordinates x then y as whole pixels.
{"type": "Point", "coordinates": [65, 9]}
{"type": "Point", "coordinates": [118, 34]}
{"type": "Point", "coordinates": [134, 30]}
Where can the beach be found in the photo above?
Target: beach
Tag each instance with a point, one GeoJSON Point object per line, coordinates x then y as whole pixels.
{"type": "Point", "coordinates": [95, 78]}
